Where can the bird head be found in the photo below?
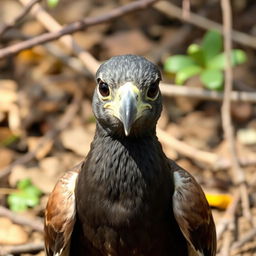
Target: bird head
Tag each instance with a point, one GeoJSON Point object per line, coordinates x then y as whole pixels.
{"type": "Point", "coordinates": [127, 99]}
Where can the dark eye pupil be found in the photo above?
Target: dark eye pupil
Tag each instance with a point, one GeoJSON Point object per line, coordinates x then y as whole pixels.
{"type": "Point", "coordinates": [153, 89]}
{"type": "Point", "coordinates": [103, 89]}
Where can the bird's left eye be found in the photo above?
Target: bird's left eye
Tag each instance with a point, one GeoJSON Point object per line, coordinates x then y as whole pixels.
{"type": "Point", "coordinates": [153, 90]}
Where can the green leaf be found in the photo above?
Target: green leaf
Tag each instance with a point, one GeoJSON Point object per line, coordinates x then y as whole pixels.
{"type": "Point", "coordinates": [27, 196]}
{"type": "Point", "coordinates": [213, 79]}
{"type": "Point", "coordinates": [195, 51]}
{"type": "Point", "coordinates": [52, 3]}
{"type": "Point", "coordinates": [16, 203]}
{"type": "Point", "coordinates": [186, 73]}
{"type": "Point", "coordinates": [211, 45]}
{"type": "Point", "coordinates": [177, 62]}
{"type": "Point", "coordinates": [22, 184]}
{"type": "Point", "coordinates": [237, 57]}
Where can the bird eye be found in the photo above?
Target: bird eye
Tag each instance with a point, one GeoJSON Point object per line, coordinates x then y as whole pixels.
{"type": "Point", "coordinates": [153, 90]}
{"type": "Point", "coordinates": [103, 88]}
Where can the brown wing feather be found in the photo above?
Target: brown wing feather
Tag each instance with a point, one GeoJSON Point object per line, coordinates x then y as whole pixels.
{"type": "Point", "coordinates": [60, 214]}
{"type": "Point", "coordinates": [192, 213]}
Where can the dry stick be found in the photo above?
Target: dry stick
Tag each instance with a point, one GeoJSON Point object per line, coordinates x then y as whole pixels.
{"type": "Point", "coordinates": [238, 174]}
{"type": "Point", "coordinates": [76, 26]}
{"type": "Point", "coordinates": [174, 90]}
{"type": "Point", "coordinates": [246, 237]}
{"type": "Point", "coordinates": [52, 25]}
{"type": "Point", "coordinates": [24, 12]}
{"type": "Point", "coordinates": [185, 9]}
{"type": "Point", "coordinates": [211, 159]}
{"type": "Point", "coordinates": [227, 240]}
{"type": "Point", "coordinates": [24, 248]}
{"type": "Point", "coordinates": [215, 161]}
{"type": "Point", "coordinates": [229, 215]}
{"type": "Point", "coordinates": [250, 246]}
{"type": "Point", "coordinates": [62, 124]}
{"type": "Point", "coordinates": [170, 10]}
{"type": "Point", "coordinates": [21, 220]}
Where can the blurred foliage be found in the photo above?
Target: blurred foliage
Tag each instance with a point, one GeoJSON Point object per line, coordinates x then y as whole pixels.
{"type": "Point", "coordinates": [52, 3]}
{"type": "Point", "coordinates": [205, 60]}
{"type": "Point", "coordinates": [27, 196]}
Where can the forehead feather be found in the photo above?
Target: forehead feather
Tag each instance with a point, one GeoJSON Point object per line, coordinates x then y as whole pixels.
{"type": "Point", "coordinates": [124, 68]}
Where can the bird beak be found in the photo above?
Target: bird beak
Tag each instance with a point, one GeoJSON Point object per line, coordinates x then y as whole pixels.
{"type": "Point", "coordinates": [127, 105]}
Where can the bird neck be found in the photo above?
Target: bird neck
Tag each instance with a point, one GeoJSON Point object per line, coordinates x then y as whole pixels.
{"type": "Point", "coordinates": [125, 166]}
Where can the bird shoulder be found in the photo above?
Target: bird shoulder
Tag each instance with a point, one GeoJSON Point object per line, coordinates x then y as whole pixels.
{"type": "Point", "coordinates": [60, 214]}
{"type": "Point", "coordinates": [192, 213]}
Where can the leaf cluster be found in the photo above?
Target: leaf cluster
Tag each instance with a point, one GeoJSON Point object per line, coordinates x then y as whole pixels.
{"type": "Point", "coordinates": [27, 196]}
{"type": "Point", "coordinates": [206, 60]}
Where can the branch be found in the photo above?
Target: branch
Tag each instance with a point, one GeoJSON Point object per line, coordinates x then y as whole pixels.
{"type": "Point", "coordinates": [24, 248]}
{"type": "Point", "coordinates": [229, 216]}
{"type": "Point", "coordinates": [52, 25]}
{"type": "Point", "coordinates": [176, 90]}
{"type": "Point", "coordinates": [76, 26]}
{"type": "Point", "coordinates": [171, 10]}
{"type": "Point", "coordinates": [24, 12]}
{"type": "Point", "coordinates": [238, 174]}
{"type": "Point", "coordinates": [21, 220]}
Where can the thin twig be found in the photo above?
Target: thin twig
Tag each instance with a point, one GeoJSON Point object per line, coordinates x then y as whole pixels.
{"type": "Point", "coordinates": [24, 248]}
{"type": "Point", "coordinates": [229, 215]}
{"type": "Point", "coordinates": [171, 10]}
{"type": "Point", "coordinates": [200, 93]}
{"type": "Point", "coordinates": [208, 158]}
{"type": "Point", "coordinates": [52, 25]}
{"type": "Point", "coordinates": [245, 238]}
{"type": "Point", "coordinates": [62, 124]}
{"type": "Point", "coordinates": [21, 220]}
{"type": "Point", "coordinates": [76, 26]}
{"type": "Point", "coordinates": [185, 9]}
{"type": "Point", "coordinates": [238, 174]}
{"type": "Point", "coordinates": [18, 19]}
{"type": "Point", "coordinates": [213, 160]}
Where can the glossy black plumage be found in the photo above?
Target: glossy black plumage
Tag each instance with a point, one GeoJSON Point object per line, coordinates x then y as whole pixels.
{"type": "Point", "coordinates": [130, 198]}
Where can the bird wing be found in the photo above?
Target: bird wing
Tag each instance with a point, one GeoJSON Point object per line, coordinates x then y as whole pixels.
{"type": "Point", "coordinates": [60, 214]}
{"type": "Point", "coordinates": [193, 214]}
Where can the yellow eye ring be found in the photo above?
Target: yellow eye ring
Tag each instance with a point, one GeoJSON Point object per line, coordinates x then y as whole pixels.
{"type": "Point", "coordinates": [153, 91]}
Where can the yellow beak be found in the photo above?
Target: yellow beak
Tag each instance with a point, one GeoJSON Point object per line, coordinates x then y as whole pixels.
{"type": "Point", "coordinates": [127, 105]}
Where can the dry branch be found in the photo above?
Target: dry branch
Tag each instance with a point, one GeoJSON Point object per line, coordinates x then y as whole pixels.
{"type": "Point", "coordinates": [76, 26]}
{"type": "Point", "coordinates": [24, 12]}
{"type": "Point", "coordinates": [52, 25]}
{"type": "Point", "coordinates": [24, 248]}
{"type": "Point", "coordinates": [21, 220]}
{"type": "Point", "coordinates": [229, 215]}
{"type": "Point", "coordinates": [175, 90]}
{"type": "Point", "coordinates": [170, 10]}
{"type": "Point", "coordinates": [238, 173]}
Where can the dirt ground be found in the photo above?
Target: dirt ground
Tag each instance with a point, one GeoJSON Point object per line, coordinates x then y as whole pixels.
{"type": "Point", "coordinates": [40, 97]}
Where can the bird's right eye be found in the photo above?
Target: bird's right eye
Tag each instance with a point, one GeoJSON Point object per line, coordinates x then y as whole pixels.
{"type": "Point", "coordinates": [103, 89]}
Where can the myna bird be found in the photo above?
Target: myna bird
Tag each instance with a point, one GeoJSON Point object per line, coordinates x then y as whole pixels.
{"type": "Point", "coordinates": [127, 197]}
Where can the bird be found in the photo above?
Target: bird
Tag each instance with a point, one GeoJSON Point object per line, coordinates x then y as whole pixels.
{"type": "Point", "coordinates": [126, 197]}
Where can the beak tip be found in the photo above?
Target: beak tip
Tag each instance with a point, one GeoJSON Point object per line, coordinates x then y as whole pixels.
{"type": "Point", "coordinates": [126, 131]}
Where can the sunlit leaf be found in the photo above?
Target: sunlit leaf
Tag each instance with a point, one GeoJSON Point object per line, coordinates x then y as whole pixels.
{"type": "Point", "coordinates": [196, 53]}
{"type": "Point", "coordinates": [238, 57]}
{"type": "Point", "coordinates": [27, 196]}
{"type": "Point", "coordinates": [177, 62]}
{"type": "Point", "coordinates": [186, 73]}
{"type": "Point", "coordinates": [213, 79]}
{"type": "Point", "coordinates": [52, 3]}
{"type": "Point", "coordinates": [211, 45]}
